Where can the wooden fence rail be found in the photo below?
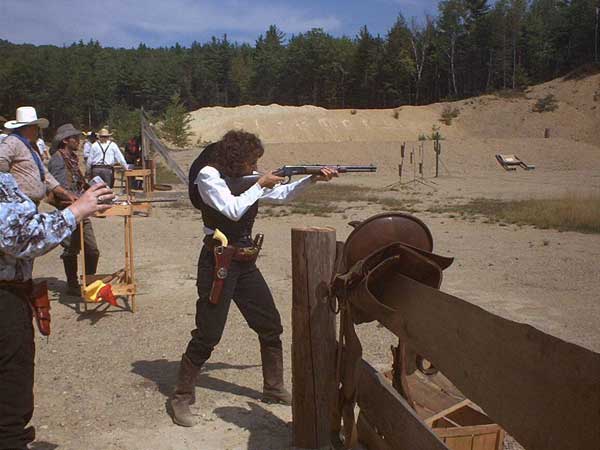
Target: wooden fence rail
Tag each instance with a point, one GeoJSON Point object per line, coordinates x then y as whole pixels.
{"type": "Point", "coordinates": [151, 140]}
{"type": "Point", "coordinates": [540, 389]}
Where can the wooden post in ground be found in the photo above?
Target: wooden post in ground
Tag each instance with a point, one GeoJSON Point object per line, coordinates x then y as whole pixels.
{"type": "Point", "coordinates": [313, 337]}
{"type": "Point", "coordinates": [437, 147]}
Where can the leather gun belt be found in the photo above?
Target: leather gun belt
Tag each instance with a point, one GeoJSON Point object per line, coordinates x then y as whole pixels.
{"type": "Point", "coordinates": [224, 255]}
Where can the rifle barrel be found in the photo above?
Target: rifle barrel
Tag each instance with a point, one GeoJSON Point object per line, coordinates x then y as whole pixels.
{"type": "Point", "coordinates": [343, 169]}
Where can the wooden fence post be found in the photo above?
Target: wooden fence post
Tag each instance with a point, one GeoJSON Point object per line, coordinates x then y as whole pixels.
{"type": "Point", "coordinates": [313, 337]}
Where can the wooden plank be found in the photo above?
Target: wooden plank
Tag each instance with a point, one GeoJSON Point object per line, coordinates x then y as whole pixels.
{"type": "Point", "coordinates": [117, 211]}
{"type": "Point", "coordinates": [467, 431]}
{"type": "Point", "coordinates": [126, 210]}
{"type": "Point", "coordinates": [138, 172]}
{"type": "Point", "coordinates": [394, 418]}
{"type": "Point", "coordinates": [431, 419]}
{"type": "Point", "coordinates": [542, 390]}
{"type": "Point", "coordinates": [151, 136]}
{"type": "Point", "coordinates": [459, 443]}
{"type": "Point", "coordinates": [429, 397]}
{"type": "Point", "coordinates": [368, 436]}
{"type": "Point", "coordinates": [313, 337]}
{"type": "Point", "coordinates": [487, 441]}
{"type": "Point", "coordinates": [123, 289]}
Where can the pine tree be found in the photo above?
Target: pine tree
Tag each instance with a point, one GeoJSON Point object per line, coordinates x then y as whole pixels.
{"type": "Point", "coordinates": [175, 126]}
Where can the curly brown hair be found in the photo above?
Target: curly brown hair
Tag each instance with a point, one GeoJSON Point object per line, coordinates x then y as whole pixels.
{"type": "Point", "coordinates": [237, 149]}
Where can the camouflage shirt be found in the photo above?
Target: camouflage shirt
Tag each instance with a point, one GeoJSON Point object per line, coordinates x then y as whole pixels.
{"type": "Point", "coordinates": [24, 232]}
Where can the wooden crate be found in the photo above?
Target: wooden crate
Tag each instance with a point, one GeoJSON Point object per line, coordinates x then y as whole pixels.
{"type": "Point", "coordinates": [464, 427]}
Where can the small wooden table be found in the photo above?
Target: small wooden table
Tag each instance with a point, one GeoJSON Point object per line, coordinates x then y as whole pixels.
{"type": "Point", "coordinates": [125, 285]}
{"type": "Point", "coordinates": [133, 174]}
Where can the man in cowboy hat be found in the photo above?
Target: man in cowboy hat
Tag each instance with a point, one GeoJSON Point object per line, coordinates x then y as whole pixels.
{"type": "Point", "coordinates": [64, 166]}
{"type": "Point", "coordinates": [19, 156]}
{"type": "Point", "coordinates": [104, 155]}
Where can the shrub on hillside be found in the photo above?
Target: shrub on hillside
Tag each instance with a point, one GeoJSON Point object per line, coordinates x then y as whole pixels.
{"type": "Point", "coordinates": [546, 104]}
{"type": "Point", "coordinates": [449, 113]}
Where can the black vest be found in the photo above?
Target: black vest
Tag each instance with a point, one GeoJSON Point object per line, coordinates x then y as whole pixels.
{"type": "Point", "coordinates": [239, 233]}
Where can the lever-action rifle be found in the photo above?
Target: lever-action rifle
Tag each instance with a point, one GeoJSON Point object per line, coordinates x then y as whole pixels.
{"type": "Point", "coordinates": [242, 184]}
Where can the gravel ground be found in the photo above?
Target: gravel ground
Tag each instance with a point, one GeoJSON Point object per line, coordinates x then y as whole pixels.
{"type": "Point", "coordinates": [104, 376]}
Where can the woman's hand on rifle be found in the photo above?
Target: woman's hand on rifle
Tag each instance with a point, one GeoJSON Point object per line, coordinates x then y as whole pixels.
{"type": "Point", "coordinates": [327, 174]}
{"type": "Point", "coordinates": [269, 180]}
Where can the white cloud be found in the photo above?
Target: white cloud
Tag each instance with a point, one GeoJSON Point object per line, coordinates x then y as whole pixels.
{"type": "Point", "coordinates": [125, 23]}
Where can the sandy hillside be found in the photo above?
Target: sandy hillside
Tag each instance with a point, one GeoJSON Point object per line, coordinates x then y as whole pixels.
{"type": "Point", "coordinates": [489, 116]}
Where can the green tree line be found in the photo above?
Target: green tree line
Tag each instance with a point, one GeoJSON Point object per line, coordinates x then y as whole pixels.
{"type": "Point", "coordinates": [470, 47]}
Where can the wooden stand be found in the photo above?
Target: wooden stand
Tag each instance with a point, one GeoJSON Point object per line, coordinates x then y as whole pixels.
{"type": "Point", "coordinates": [125, 285]}
{"type": "Point", "coordinates": [313, 341]}
{"type": "Point", "coordinates": [132, 175]}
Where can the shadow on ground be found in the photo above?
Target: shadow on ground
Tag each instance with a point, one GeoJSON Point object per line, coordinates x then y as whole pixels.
{"type": "Point", "coordinates": [163, 374]}
{"type": "Point", "coordinates": [43, 445]}
{"type": "Point", "coordinates": [267, 431]}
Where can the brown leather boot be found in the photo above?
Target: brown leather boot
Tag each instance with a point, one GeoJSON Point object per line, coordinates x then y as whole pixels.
{"type": "Point", "coordinates": [185, 393]}
{"type": "Point", "coordinates": [272, 367]}
{"type": "Point", "coordinates": [73, 287]}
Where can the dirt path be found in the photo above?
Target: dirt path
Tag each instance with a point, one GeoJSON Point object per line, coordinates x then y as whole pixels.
{"type": "Point", "coordinates": [104, 377]}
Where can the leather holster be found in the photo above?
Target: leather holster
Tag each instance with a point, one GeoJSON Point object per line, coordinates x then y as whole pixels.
{"type": "Point", "coordinates": [36, 295]}
{"type": "Point", "coordinates": [223, 258]}
{"type": "Point", "coordinates": [40, 304]}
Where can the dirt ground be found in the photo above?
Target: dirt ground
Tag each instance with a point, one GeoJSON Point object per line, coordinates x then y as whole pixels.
{"type": "Point", "coordinates": [104, 376]}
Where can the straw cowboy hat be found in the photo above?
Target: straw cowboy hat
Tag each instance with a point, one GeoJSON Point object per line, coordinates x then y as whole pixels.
{"type": "Point", "coordinates": [26, 115]}
{"type": "Point", "coordinates": [63, 132]}
{"type": "Point", "coordinates": [104, 133]}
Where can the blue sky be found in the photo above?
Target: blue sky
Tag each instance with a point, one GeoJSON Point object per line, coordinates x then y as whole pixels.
{"type": "Point", "coordinates": [126, 23]}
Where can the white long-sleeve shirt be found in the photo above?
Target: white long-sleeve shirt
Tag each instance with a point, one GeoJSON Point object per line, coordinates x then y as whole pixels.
{"type": "Point", "coordinates": [87, 145]}
{"type": "Point", "coordinates": [215, 193]}
{"type": "Point", "coordinates": [107, 154]}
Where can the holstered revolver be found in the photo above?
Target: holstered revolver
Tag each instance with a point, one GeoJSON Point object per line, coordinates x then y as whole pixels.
{"type": "Point", "coordinates": [223, 256]}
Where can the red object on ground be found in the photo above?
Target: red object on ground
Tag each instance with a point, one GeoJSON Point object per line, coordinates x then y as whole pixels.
{"type": "Point", "coordinates": [106, 295]}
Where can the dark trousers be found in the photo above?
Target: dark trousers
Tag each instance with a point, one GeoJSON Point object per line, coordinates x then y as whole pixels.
{"type": "Point", "coordinates": [72, 244]}
{"type": "Point", "coordinates": [107, 173]}
{"type": "Point", "coordinates": [17, 351]}
{"type": "Point", "coordinates": [244, 285]}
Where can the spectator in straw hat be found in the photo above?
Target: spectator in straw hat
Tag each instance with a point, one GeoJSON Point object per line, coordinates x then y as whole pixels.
{"type": "Point", "coordinates": [64, 165]}
{"type": "Point", "coordinates": [20, 157]}
{"type": "Point", "coordinates": [104, 156]}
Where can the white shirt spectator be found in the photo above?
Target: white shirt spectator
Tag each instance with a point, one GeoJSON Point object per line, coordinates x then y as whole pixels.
{"type": "Point", "coordinates": [41, 145]}
{"type": "Point", "coordinates": [87, 146]}
{"type": "Point", "coordinates": [215, 193]}
{"type": "Point", "coordinates": [105, 154]}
